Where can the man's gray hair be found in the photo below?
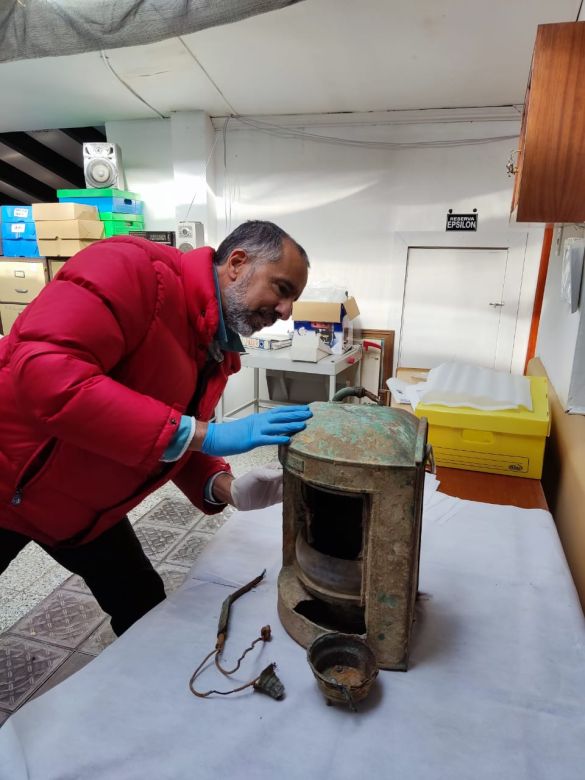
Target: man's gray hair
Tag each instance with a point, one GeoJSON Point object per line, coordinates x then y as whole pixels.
{"type": "Point", "coordinates": [262, 240]}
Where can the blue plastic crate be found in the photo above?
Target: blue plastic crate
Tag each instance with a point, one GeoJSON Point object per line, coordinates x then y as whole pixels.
{"type": "Point", "coordinates": [19, 231]}
{"type": "Point", "coordinates": [16, 214]}
{"type": "Point", "coordinates": [24, 248]}
{"type": "Point", "coordinates": [104, 205]}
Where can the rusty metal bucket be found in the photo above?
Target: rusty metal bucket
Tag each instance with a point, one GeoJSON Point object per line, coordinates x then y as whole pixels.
{"type": "Point", "coordinates": [344, 666]}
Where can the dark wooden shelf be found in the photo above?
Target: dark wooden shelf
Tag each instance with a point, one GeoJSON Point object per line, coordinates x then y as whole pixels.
{"type": "Point", "coordinates": [549, 185]}
{"type": "Point", "coordinates": [492, 488]}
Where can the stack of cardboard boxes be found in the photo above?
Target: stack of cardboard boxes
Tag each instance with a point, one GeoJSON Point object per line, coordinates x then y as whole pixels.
{"type": "Point", "coordinates": [63, 229]}
{"type": "Point", "coordinates": [120, 211]}
{"type": "Point", "coordinates": [41, 238]}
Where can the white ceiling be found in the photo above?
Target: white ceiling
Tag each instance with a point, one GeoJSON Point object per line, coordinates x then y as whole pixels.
{"type": "Point", "coordinates": [314, 57]}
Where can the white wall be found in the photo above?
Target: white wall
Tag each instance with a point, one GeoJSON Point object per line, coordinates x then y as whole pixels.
{"type": "Point", "coordinates": [148, 163]}
{"type": "Point", "coordinates": [347, 204]}
{"type": "Point", "coordinates": [558, 329]}
{"type": "Point", "coordinates": [167, 163]}
{"type": "Point", "coordinates": [193, 144]}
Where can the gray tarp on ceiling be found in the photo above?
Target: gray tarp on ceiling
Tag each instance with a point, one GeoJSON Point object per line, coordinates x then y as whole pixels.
{"type": "Point", "coordinates": [52, 28]}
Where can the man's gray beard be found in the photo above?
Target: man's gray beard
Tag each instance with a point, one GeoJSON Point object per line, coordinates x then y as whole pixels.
{"type": "Point", "coordinates": [235, 313]}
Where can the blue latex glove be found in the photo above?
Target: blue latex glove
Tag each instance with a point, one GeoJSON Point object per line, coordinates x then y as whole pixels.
{"type": "Point", "coordinates": [272, 427]}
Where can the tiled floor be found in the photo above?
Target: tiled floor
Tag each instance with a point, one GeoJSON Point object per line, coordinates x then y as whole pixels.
{"type": "Point", "coordinates": [67, 628]}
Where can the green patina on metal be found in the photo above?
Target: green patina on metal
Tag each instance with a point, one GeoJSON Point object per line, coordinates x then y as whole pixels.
{"type": "Point", "coordinates": [385, 598]}
{"type": "Point", "coordinates": [360, 434]}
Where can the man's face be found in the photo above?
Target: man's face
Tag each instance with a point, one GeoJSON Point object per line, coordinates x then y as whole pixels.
{"type": "Point", "coordinates": [255, 296]}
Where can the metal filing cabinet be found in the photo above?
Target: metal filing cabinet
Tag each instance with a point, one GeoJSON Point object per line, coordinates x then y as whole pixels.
{"type": "Point", "coordinates": [21, 280]}
{"type": "Point", "coordinates": [55, 266]}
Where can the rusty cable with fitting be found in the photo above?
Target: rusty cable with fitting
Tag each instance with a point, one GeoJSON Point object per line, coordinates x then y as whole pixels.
{"type": "Point", "coordinates": [267, 681]}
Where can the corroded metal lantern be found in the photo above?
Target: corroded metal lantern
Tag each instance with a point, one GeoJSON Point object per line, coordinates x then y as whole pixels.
{"type": "Point", "coordinates": [353, 490]}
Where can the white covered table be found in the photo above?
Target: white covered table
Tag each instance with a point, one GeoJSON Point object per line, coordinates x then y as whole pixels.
{"type": "Point", "coordinates": [496, 687]}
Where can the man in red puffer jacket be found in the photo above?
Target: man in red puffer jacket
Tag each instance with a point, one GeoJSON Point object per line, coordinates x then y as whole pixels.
{"type": "Point", "coordinates": [108, 380]}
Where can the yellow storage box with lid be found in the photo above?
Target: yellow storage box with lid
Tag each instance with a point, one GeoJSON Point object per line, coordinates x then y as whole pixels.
{"type": "Point", "coordinates": [499, 442]}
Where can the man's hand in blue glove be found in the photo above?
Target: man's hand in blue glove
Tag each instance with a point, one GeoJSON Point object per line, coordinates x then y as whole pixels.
{"type": "Point", "coordinates": [273, 427]}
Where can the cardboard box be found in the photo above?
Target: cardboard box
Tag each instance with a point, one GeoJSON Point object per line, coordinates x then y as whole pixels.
{"type": "Point", "coordinates": [266, 342]}
{"type": "Point", "coordinates": [508, 441]}
{"type": "Point", "coordinates": [8, 314]}
{"type": "Point", "coordinates": [62, 247]}
{"type": "Point", "coordinates": [309, 347]}
{"type": "Point", "coordinates": [58, 211]}
{"type": "Point", "coordinates": [70, 228]}
{"type": "Point", "coordinates": [332, 320]}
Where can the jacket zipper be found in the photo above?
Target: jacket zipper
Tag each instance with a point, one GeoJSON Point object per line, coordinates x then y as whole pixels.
{"type": "Point", "coordinates": [32, 470]}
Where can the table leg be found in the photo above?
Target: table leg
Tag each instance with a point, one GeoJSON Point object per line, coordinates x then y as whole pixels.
{"type": "Point", "coordinates": [332, 386]}
{"type": "Point", "coordinates": [219, 411]}
{"type": "Point", "coordinates": [256, 389]}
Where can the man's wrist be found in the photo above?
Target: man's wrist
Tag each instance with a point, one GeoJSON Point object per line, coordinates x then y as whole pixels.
{"type": "Point", "coordinates": [199, 435]}
{"type": "Point", "coordinates": [221, 488]}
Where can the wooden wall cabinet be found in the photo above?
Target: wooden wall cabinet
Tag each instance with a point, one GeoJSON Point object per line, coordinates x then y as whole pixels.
{"type": "Point", "coordinates": [550, 180]}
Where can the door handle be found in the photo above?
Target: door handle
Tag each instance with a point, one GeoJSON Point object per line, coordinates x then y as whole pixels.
{"type": "Point", "coordinates": [495, 304]}
{"type": "Point", "coordinates": [20, 290]}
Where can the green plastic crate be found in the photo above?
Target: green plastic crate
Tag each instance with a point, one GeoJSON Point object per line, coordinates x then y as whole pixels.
{"type": "Point", "coordinates": [122, 227]}
{"type": "Point", "coordinates": [116, 216]}
{"type": "Point", "coordinates": [108, 192]}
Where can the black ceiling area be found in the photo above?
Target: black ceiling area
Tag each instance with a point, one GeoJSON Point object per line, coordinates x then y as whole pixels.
{"type": "Point", "coordinates": [34, 165]}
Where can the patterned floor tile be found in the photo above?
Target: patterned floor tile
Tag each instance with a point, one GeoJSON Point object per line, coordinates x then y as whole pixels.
{"type": "Point", "coordinates": [76, 583]}
{"type": "Point", "coordinates": [176, 514]}
{"type": "Point", "coordinates": [188, 549]}
{"type": "Point", "coordinates": [73, 664]}
{"type": "Point", "coordinates": [101, 638]}
{"type": "Point", "coordinates": [24, 665]}
{"type": "Point", "coordinates": [209, 524]}
{"type": "Point", "coordinates": [173, 576]}
{"type": "Point", "coordinates": [64, 618]}
{"type": "Point", "coordinates": [156, 540]}
{"type": "Point", "coordinates": [37, 651]}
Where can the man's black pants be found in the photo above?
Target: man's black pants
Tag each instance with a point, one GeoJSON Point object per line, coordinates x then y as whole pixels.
{"type": "Point", "coordinates": [114, 568]}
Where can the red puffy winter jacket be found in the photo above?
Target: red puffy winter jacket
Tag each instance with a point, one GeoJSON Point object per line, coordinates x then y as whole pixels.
{"type": "Point", "coordinates": [94, 377]}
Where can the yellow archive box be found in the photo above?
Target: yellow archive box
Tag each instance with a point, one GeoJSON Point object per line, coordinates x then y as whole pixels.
{"type": "Point", "coordinates": [499, 442]}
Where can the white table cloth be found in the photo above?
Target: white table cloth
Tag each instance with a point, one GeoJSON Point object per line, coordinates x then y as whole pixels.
{"type": "Point", "coordinates": [496, 687]}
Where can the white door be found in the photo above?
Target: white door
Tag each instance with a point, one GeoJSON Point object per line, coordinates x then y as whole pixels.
{"type": "Point", "coordinates": [454, 308]}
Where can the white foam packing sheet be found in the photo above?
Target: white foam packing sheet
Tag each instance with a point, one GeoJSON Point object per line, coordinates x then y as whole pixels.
{"type": "Point", "coordinates": [495, 687]}
{"type": "Point", "coordinates": [462, 384]}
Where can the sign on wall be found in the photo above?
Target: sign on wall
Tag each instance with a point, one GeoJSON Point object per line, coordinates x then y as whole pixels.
{"type": "Point", "coordinates": [462, 221]}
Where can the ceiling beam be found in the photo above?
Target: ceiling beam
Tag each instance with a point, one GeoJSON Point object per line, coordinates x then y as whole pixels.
{"type": "Point", "coordinates": [84, 134]}
{"type": "Point", "coordinates": [26, 146]}
{"type": "Point", "coordinates": [7, 197]}
{"type": "Point", "coordinates": [26, 184]}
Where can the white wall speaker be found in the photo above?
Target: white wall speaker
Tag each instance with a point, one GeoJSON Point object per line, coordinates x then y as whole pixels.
{"type": "Point", "coordinates": [102, 166]}
{"type": "Point", "coordinates": [190, 235]}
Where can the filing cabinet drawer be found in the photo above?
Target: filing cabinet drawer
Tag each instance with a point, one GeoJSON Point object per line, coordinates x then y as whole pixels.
{"type": "Point", "coordinates": [21, 280]}
{"type": "Point", "coordinates": [54, 267]}
{"type": "Point", "coordinates": [8, 313]}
